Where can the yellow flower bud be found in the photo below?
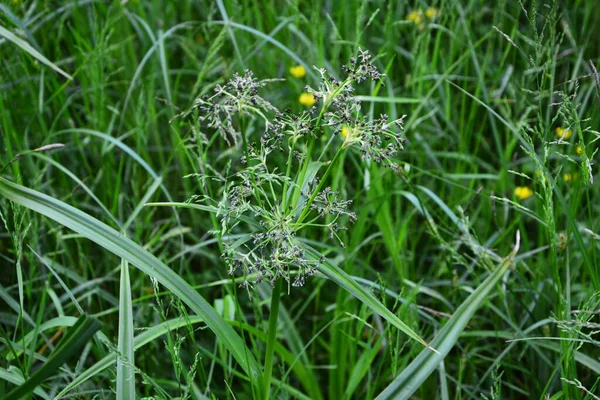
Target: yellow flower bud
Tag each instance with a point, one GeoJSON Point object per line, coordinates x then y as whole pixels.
{"type": "Point", "coordinates": [307, 99]}
{"type": "Point", "coordinates": [345, 131]}
{"type": "Point", "coordinates": [432, 12]}
{"type": "Point", "coordinates": [415, 16]}
{"type": "Point", "coordinates": [562, 133]}
{"type": "Point", "coordinates": [523, 192]}
{"type": "Point", "coordinates": [298, 71]}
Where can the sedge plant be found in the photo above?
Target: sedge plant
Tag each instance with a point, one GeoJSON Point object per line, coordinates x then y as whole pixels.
{"type": "Point", "coordinates": [263, 211]}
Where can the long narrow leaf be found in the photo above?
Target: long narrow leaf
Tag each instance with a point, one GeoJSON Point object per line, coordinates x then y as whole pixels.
{"type": "Point", "coordinates": [427, 362]}
{"type": "Point", "coordinates": [151, 334]}
{"type": "Point", "coordinates": [202, 207]}
{"type": "Point", "coordinates": [125, 248]}
{"type": "Point", "coordinates": [76, 338]}
{"type": "Point", "coordinates": [125, 375]}
{"type": "Point", "coordinates": [336, 275]}
{"type": "Point", "coordinates": [51, 324]}
{"type": "Point", "coordinates": [345, 281]}
{"type": "Point", "coordinates": [12, 376]}
{"type": "Point", "coordinates": [11, 37]}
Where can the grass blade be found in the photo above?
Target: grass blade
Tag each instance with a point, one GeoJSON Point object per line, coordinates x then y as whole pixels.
{"type": "Point", "coordinates": [76, 338]}
{"type": "Point", "coordinates": [345, 281]}
{"type": "Point", "coordinates": [11, 37]}
{"type": "Point", "coordinates": [427, 362]}
{"type": "Point", "coordinates": [593, 272]}
{"type": "Point", "coordinates": [125, 373]}
{"type": "Point", "coordinates": [227, 21]}
{"type": "Point", "coordinates": [274, 42]}
{"type": "Point", "coordinates": [20, 25]}
{"type": "Point", "coordinates": [125, 248]}
{"type": "Point", "coordinates": [149, 193]}
{"type": "Point", "coordinates": [153, 333]}
{"type": "Point", "coordinates": [79, 183]}
{"type": "Point", "coordinates": [26, 340]}
{"type": "Point", "coordinates": [10, 375]}
{"type": "Point", "coordinates": [335, 274]}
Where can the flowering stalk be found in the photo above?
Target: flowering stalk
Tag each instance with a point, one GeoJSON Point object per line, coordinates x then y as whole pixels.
{"type": "Point", "coordinates": [273, 207]}
{"type": "Point", "coordinates": [271, 337]}
{"type": "Point", "coordinates": [276, 206]}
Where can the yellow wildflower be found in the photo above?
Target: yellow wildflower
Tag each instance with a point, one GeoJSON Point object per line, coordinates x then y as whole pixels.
{"type": "Point", "coordinates": [567, 177]}
{"type": "Point", "coordinates": [565, 134]}
{"type": "Point", "coordinates": [415, 16]}
{"type": "Point", "coordinates": [523, 192]}
{"type": "Point", "coordinates": [345, 131]}
{"type": "Point", "coordinates": [579, 149]}
{"type": "Point", "coordinates": [298, 71]}
{"type": "Point", "coordinates": [306, 99]}
{"type": "Point", "coordinates": [432, 13]}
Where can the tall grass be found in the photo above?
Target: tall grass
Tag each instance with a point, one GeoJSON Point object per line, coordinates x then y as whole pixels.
{"type": "Point", "coordinates": [114, 202]}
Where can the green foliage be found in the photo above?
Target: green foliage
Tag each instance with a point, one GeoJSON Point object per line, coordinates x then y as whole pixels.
{"type": "Point", "coordinates": [305, 245]}
{"type": "Point", "coordinates": [83, 329]}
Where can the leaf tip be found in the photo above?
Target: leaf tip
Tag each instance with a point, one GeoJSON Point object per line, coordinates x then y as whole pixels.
{"type": "Point", "coordinates": [432, 349]}
{"type": "Point", "coordinates": [515, 249]}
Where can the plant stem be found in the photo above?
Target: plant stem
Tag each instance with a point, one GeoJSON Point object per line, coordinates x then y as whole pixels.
{"type": "Point", "coordinates": [247, 154]}
{"type": "Point", "coordinates": [302, 173]}
{"type": "Point", "coordinates": [287, 174]}
{"type": "Point", "coordinates": [272, 336]}
{"type": "Point", "coordinates": [306, 209]}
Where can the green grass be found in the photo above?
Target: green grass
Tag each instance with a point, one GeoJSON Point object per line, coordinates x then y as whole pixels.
{"type": "Point", "coordinates": [97, 165]}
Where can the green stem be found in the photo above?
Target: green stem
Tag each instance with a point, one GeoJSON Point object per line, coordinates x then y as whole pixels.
{"type": "Point", "coordinates": [303, 170]}
{"type": "Point", "coordinates": [312, 142]}
{"type": "Point", "coordinates": [306, 209]}
{"type": "Point", "coordinates": [309, 152]}
{"type": "Point", "coordinates": [272, 335]}
{"type": "Point", "coordinates": [247, 154]}
{"type": "Point", "coordinates": [287, 174]}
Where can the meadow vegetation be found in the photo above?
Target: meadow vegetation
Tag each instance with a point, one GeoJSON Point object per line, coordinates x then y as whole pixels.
{"type": "Point", "coordinates": [341, 199]}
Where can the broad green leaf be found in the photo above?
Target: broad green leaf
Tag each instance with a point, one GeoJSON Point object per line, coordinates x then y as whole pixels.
{"type": "Point", "coordinates": [125, 373]}
{"type": "Point", "coordinates": [70, 345]}
{"type": "Point", "coordinates": [133, 253]}
{"type": "Point", "coordinates": [427, 361]}
{"type": "Point", "coordinates": [11, 37]}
